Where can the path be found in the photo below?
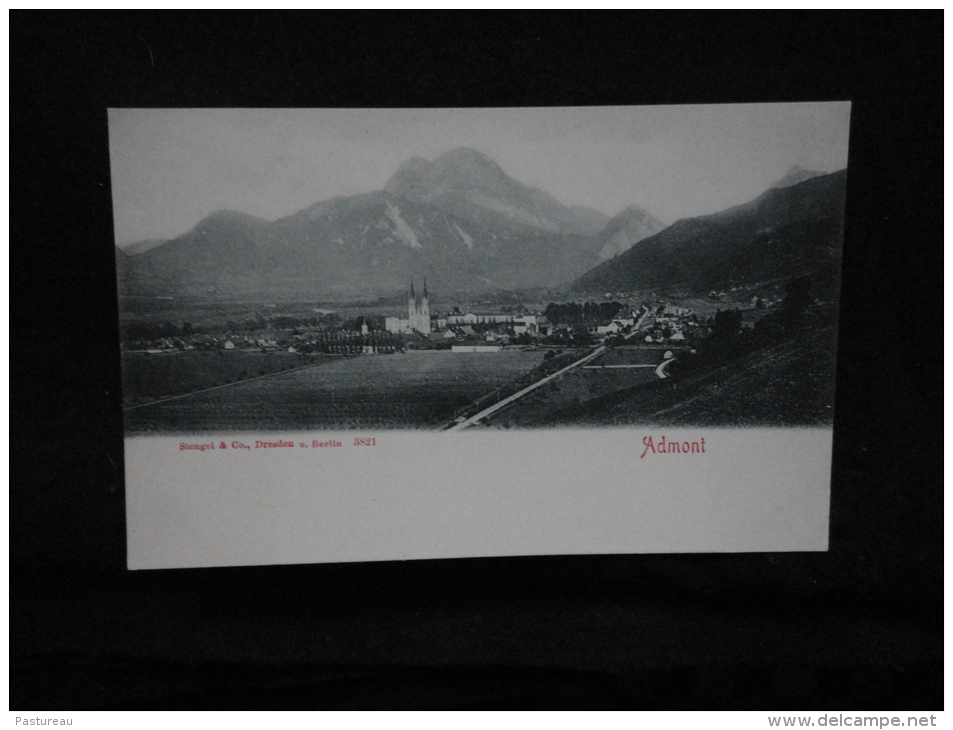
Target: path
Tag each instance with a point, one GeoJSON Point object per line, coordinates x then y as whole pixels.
{"type": "Point", "coordinates": [660, 370]}
{"type": "Point", "coordinates": [519, 394]}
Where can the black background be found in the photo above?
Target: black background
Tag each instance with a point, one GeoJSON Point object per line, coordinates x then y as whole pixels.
{"type": "Point", "coordinates": [858, 627]}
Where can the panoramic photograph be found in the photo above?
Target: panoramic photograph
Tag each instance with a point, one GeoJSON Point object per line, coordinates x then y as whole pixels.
{"type": "Point", "coordinates": [455, 269]}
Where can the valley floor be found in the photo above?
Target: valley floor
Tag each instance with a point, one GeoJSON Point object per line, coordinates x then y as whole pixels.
{"type": "Point", "coordinates": [782, 382]}
{"type": "Point", "coordinates": [417, 389]}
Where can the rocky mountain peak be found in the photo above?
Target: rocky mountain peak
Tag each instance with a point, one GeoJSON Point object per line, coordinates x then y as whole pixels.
{"type": "Point", "coordinates": [230, 219]}
{"type": "Point", "coordinates": [626, 229]}
{"type": "Point", "coordinates": [408, 177]}
{"type": "Point", "coordinates": [466, 161]}
{"type": "Point", "coordinates": [795, 175]}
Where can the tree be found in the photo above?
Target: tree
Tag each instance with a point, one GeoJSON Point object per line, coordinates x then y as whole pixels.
{"type": "Point", "coordinates": [797, 297]}
{"type": "Point", "coordinates": [727, 324]}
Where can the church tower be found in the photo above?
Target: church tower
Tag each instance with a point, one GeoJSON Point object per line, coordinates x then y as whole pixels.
{"type": "Point", "coordinates": [418, 310]}
{"type": "Point", "coordinates": [424, 311]}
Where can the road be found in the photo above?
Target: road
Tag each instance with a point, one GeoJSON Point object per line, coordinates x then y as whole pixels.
{"type": "Point", "coordinates": [519, 394]}
{"type": "Point", "coordinates": [638, 325]}
{"type": "Point", "coordinates": [660, 370]}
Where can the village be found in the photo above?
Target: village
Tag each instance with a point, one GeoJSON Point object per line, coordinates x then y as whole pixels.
{"type": "Point", "coordinates": [654, 321]}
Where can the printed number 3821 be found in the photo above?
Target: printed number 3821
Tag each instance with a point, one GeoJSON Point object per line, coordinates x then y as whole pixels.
{"type": "Point", "coordinates": [365, 442]}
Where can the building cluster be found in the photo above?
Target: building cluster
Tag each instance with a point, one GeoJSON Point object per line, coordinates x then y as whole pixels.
{"type": "Point", "coordinates": [493, 327]}
{"type": "Point", "coordinates": [618, 325]}
{"type": "Point", "coordinates": [418, 315]}
{"type": "Point", "coordinates": [673, 324]}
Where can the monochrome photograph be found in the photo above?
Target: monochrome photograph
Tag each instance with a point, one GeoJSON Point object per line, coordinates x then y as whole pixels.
{"type": "Point", "coordinates": [460, 269]}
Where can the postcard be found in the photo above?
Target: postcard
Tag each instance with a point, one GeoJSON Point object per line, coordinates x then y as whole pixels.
{"type": "Point", "coordinates": [390, 334]}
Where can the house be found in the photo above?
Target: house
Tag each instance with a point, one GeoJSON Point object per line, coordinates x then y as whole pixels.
{"type": "Point", "coordinates": [468, 318]}
{"type": "Point", "coordinates": [615, 326]}
{"type": "Point", "coordinates": [471, 318]}
{"type": "Point", "coordinates": [526, 323]}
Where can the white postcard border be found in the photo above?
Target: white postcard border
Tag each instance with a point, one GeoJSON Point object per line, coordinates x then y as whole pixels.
{"type": "Point", "coordinates": [418, 495]}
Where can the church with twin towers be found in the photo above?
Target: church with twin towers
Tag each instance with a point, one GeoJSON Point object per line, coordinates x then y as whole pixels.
{"type": "Point", "coordinates": [418, 314]}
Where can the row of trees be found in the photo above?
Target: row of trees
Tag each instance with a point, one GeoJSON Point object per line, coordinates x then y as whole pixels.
{"type": "Point", "coordinates": [797, 297]}
{"type": "Point", "coordinates": [339, 341]}
{"type": "Point", "coordinates": [575, 313]}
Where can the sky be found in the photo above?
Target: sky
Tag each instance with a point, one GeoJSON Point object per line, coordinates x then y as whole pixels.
{"type": "Point", "coordinates": [172, 167]}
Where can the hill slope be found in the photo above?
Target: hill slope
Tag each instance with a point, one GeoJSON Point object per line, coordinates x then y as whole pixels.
{"type": "Point", "coordinates": [796, 175]}
{"type": "Point", "coordinates": [141, 246]}
{"type": "Point", "coordinates": [784, 232]}
{"type": "Point", "coordinates": [789, 383]}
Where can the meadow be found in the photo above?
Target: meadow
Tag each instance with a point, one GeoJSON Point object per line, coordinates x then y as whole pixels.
{"type": "Point", "coordinates": [417, 389]}
{"type": "Point", "coordinates": [148, 377]}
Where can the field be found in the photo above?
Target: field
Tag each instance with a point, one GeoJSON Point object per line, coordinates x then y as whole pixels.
{"type": "Point", "coordinates": [419, 389]}
{"type": "Point", "coordinates": [148, 377]}
{"type": "Point", "coordinates": [581, 386]}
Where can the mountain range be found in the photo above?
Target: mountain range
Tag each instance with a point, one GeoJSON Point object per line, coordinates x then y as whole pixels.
{"type": "Point", "coordinates": [141, 246]}
{"type": "Point", "coordinates": [796, 175]}
{"type": "Point", "coordinates": [459, 220]}
{"type": "Point", "coordinates": [786, 231]}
